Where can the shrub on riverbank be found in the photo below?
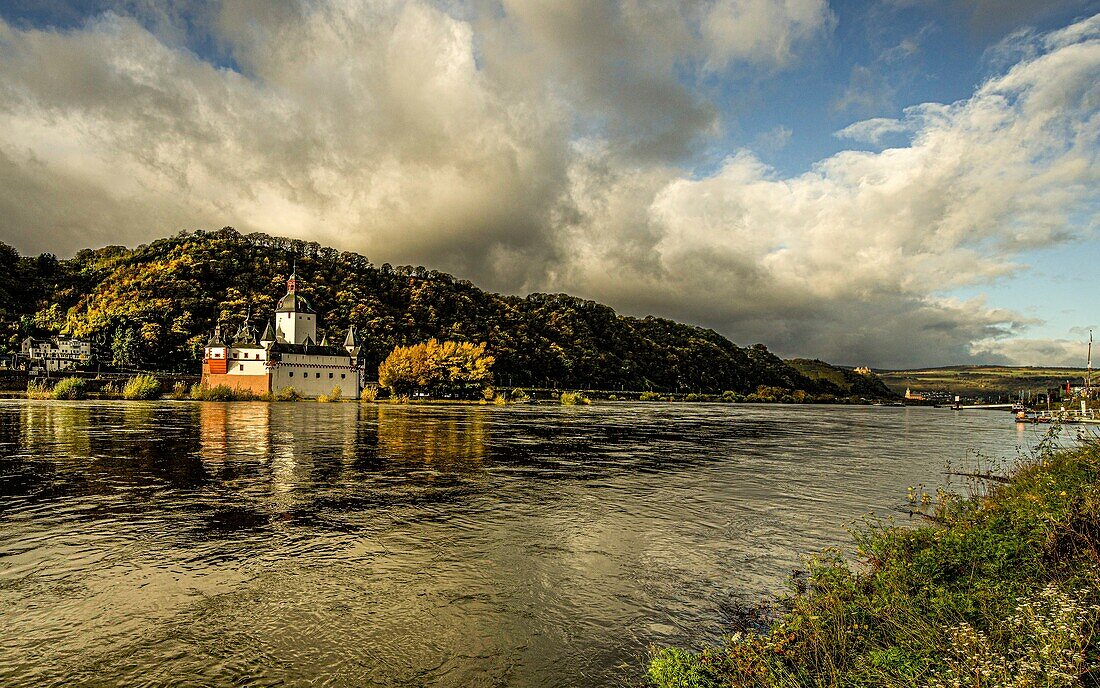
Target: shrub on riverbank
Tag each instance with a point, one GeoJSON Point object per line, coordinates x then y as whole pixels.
{"type": "Point", "coordinates": [141, 387]}
{"type": "Point", "coordinates": [70, 388]}
{"type": "Point", "coordinates": [334, 395]}
{"type": "Point", "coordinates": [38, 390]}
{"type": "Point", "coordinates": [649, 396]}
{"type": "Point", "coordinates": [574, 399]}
{"type": "Point", "coordinates": [286, 394]}
{"type": "Point", "coordinates": [215, 393]}
{"type": "Point", "coordinates": [1001, 589]}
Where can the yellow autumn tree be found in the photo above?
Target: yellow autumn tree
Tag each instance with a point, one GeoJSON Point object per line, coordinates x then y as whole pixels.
{"type": "Point", "coordinates": [438, 369]}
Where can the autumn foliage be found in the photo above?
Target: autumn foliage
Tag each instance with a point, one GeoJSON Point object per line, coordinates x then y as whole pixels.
{"type": "Point", "coordinates": [438, 369]}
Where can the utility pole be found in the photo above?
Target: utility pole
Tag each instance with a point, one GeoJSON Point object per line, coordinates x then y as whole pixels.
{"type": "Point", "coordinates": [1088, 375]}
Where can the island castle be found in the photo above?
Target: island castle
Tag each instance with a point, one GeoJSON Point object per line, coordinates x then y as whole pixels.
{"type": "Point", "coordinates": [285, 355]}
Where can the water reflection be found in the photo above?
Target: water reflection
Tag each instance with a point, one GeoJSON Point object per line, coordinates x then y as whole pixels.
{"type": "Point", "coordinates": [255, 544]}
{"type": "Point", "coordinates": [449, 439]}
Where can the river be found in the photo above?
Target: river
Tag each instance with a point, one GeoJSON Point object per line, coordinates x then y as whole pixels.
{"type": "Point", "coordinates": [260, 544]}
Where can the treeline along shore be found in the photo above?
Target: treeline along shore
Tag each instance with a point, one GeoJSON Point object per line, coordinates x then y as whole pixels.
{"type": "Point", "coordinates": [153, 307]}
{"type": "Point", "coordinates": [1000, 588]}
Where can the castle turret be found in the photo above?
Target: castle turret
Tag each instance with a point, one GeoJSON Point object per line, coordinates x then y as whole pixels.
{"type": "Point", "coordinates": [268, 337]}
{"type": "Point", "coordinates": [351, 343]}
{"type": "Point", "coordinates": [295, 319]}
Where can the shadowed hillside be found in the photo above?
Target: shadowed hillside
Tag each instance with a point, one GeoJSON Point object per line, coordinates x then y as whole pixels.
{"type": "Point", "coordinates": [852, 383]}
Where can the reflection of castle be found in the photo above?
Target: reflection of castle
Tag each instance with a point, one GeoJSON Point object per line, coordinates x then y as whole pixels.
{"type": "Point", "coordinates": [291, 443]}
{"type": "Point", "coordinates": [227, 430]}
{"type": "Point", "coordinates": [286, 355]}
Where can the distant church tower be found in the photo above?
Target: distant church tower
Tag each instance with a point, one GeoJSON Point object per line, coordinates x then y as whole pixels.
{"type": "Point", "coordinates": [295, 319]}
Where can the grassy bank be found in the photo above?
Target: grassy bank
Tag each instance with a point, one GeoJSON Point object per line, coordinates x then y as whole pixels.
{"type": "Point", "coordinates": [981, 381]}
{"type": "Point", "coordinates": [1000, 589]}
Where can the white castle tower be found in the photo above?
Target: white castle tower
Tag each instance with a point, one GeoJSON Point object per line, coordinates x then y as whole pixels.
{"type": "Point", "coordinates": [295, 319]}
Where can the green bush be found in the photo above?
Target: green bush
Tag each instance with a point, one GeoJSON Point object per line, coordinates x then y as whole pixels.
{"type": "Point", "coordinates": [369, 394]}
{"type": "Point", "coordinates": [70, 388]}
{"type": "Point", "coordinates": [1000, 589]}
{"type": "Point", "coordinates": [731, 397]}
{"type": "Point", "coordinates": [519, 395]}
{"type": "Point", "coordinates": [574, 399]}
{"type": "Point", "coordinates": [334, 395]}
{"type": "Point", "coordinates": [179, 390]}
{"type": "Point", "coordinates": [141, 387]}
{"type": "Point", "coordinates": [649, 396]}
{"type": "Point", "coordinates": [38, 390]}
{"type": "Point", "coordinates": [287, 394]}
{"type": "Point", "coordinates": [225, 393]}
{"type": "Point", "coordinates": [215, 393]}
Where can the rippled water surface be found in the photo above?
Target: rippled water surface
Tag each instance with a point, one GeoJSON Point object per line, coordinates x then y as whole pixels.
{"type": "Point", "coordinates": [344, 544]}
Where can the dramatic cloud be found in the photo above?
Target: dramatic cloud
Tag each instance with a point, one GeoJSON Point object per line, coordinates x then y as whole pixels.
{"type": "Point", "coordinates": [531, 145]}
{"type": "Point", "coordinates": [853, 252]}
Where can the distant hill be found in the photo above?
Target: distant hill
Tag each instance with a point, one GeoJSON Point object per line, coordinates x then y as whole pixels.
{"type": "Point", "coordinates": [851, 383]}
{"type": "Point", "coordinates": [982, 380]}
{"type": "Point", "coordinates": [154, 306]}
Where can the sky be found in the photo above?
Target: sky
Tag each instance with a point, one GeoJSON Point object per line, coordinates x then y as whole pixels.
{"type": "Point", "coordinates": [893, 183]}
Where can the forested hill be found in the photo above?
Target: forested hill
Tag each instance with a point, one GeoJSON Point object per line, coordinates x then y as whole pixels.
{"type": "Point", "coordinates": [155, 305]}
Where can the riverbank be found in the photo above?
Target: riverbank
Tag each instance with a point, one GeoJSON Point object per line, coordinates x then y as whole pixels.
{"type": "Point", "coordinates": [1000, 589]}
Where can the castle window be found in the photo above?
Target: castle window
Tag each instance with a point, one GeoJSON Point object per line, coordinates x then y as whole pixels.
{"type": "Point", "coordinates": [330, 376]}
{"type": "Point", "coordinates": [342, 376]}
{"type": "Point", "coordinates": [318, 375]}
{"type": "Point", "coordinates": [291, 373]}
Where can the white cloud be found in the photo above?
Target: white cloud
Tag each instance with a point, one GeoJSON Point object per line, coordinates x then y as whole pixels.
{"type": "Point", "coordinates": [761, 30]}
{"type": "Point", "coordinates": [873, 130]}
{"type": "Point", "coordinates": [1025, 351]}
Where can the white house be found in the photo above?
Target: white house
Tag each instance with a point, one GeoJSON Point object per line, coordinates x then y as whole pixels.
{"type": "Point", "coordinates": [56, 353]}
{"type": "Point", "coordinates": [285, 355]}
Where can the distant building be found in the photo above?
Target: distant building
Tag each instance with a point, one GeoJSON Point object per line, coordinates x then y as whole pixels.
{"type": "Point", "coordinates": [285, 355]}
{"type": "Point", "coordinates": [862, 370]}
{"type": "Point", "coordinates": [913, 396]}
{"type": "Point", "coordinates": [56, 353]}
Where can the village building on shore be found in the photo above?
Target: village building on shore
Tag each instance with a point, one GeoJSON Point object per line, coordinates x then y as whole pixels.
{"type": "Point", "coordinates": [286, 354]}
{"type": "Point", "coordinates": [55, 354]}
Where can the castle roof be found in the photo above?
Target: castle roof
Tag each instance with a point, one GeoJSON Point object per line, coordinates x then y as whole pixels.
{"type": "Point", "coordinates": [245, 335]}
{"type": "Point", "coordinates": [216, 338]}
{"type": "Point", "coordinates": [269, 333]}
{"type": "Point", "coordinates": [293, 303]}
{"type": "Point", "coordinates": [308, 349]}
{"type": "Point", "coordinates": [352, 339]}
